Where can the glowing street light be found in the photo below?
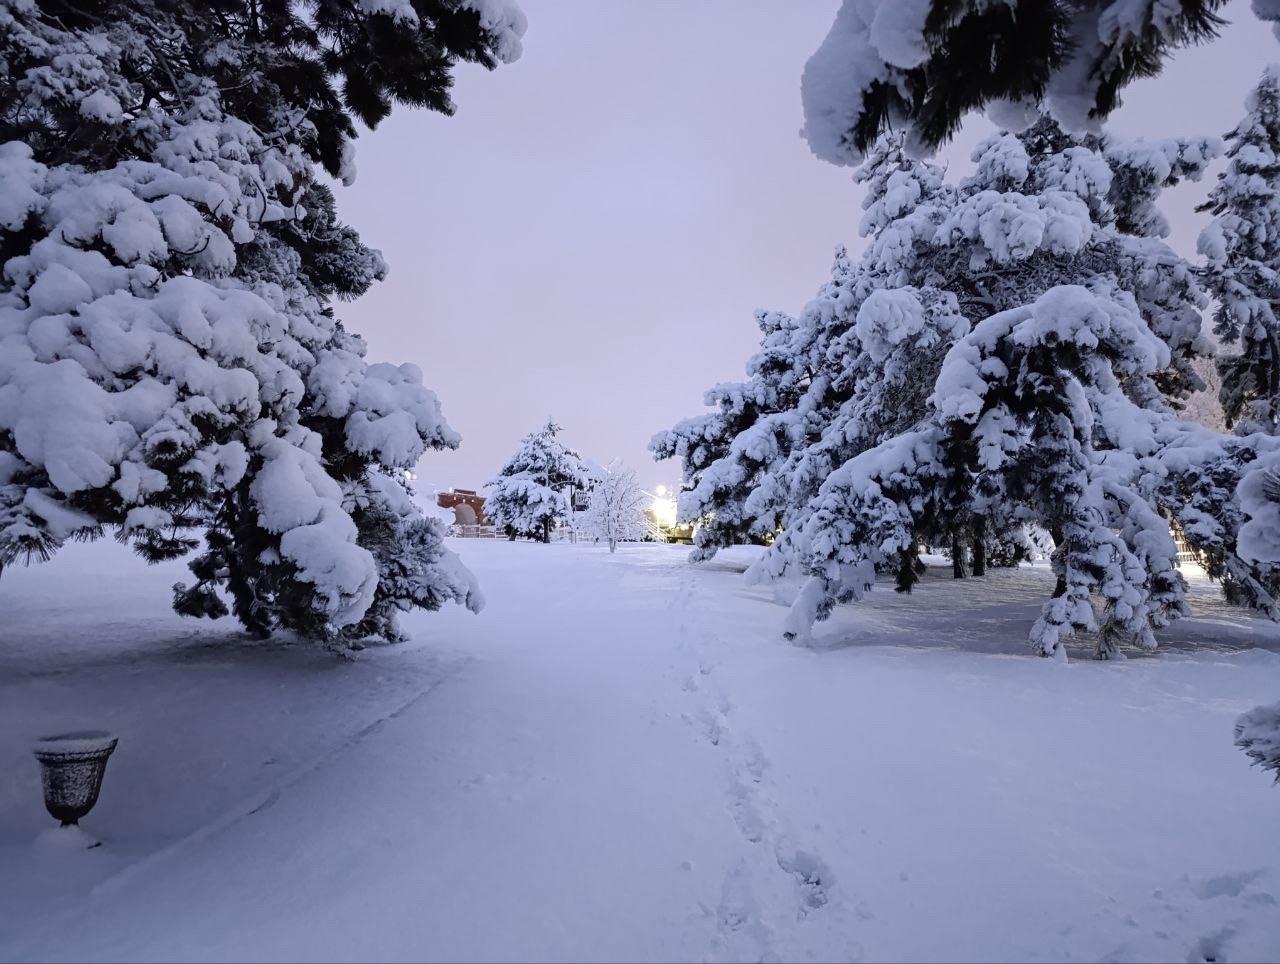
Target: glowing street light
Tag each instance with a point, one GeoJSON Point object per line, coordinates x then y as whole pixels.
{"type": "Point", "coordinates": [663, 508]}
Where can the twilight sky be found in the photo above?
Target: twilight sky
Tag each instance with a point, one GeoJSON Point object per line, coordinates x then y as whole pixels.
{"type": "Point", "coordinates": [589, 235]}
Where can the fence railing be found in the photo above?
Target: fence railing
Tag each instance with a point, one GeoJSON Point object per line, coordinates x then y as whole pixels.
{"type": "Point", "coordinates": [563, 533]}
{"type": "Point", "coordinates": [475, 532]}
{"type": "Point", "coordinates": [1185, 553]}
{"type": "Point", "coordinates": [654, 531]}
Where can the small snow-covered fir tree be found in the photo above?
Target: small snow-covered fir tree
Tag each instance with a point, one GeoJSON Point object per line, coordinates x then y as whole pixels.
{"type": "Point", "coordinates": [170, 361]}
{"type": "Point", "coordinates": [617, 507]}
{"type": "Point", "coordinates": [530, 495]}
{"type": "Point", "coordinates": [1242, 252]}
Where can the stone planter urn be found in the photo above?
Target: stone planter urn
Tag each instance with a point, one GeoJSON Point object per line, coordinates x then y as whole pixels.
{"type": "Point", "coordinates": [71, 768]}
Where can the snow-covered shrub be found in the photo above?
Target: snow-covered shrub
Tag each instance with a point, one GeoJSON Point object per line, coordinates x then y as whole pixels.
{"type": "Point", "coordinates": [170, 361]}
{"type": "Point", "coordinates": [1258, 734]}
{"type": "Point", "coordinates": [530, 494]}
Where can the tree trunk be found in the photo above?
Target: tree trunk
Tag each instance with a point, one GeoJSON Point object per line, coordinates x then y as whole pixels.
{"type": "Point", "coordinates": [980, 547]}
{"type": "Point", "coordinates": [1273, 381]}
{"type": "Point", "coordinates": [613, 545]}
{"type": "Point", "coordinates": [244, 602]}
{"type": "Point", "coordinates": [907, 573]}
{"type": "Point", "coordinates": [958, 560]}
{"type": "Point", "coordinates": [1059, 561]}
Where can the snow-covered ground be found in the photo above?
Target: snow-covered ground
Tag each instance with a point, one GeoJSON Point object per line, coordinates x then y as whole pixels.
{"type": "Point", "coordinates": [621, 759]}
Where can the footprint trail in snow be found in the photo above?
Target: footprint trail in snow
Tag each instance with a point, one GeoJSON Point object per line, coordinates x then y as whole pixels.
{"type": "Point", "coordinates": [777, 893]}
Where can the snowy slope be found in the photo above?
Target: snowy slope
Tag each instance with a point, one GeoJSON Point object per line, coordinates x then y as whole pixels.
{"type": "Point", "coordinates": [620, 759]}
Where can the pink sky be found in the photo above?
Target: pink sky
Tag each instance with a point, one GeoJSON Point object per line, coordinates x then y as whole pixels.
{"type": "Point", "coordinates": [589, 235]}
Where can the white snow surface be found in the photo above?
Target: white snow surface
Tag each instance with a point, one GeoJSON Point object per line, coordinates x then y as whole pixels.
{"type": "Point", "coordinates": [620, 760]}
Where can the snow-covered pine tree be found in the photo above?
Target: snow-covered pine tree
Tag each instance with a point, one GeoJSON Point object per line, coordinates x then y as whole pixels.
{"type": "Point", "coordinates": [858, 370]}
{"type": "Point", "coordinates": [921, 65]}
{"type": "Point", "coordinates": [729, 453]}
{"type": "Point", "coordinates": [170, 361]}
{"type": "Point", "coordinates": [1258, 731]}
{"type": "Point", "coordinates": [1086, 378]}
{"type": "Point", "coordinates": [1044, 275]}
{"type": "Point", "coordinates": [1178, 469]}
{"type": "Point", "coordinates": [530, 495]}
{"type": "Point", "coordinates": [812, 392]}
{"type": "Point", "coordinates": [1029, 406]}
{"type": "Point", "coordinates": [1241, 246]}
{"type": "Point", "coordinates": [617, 506]}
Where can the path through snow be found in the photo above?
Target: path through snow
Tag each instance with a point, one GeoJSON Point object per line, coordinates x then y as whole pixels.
{"type": "Point", "coordinates": [620, 759]}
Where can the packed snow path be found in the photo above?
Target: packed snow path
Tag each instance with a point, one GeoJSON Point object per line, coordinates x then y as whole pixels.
{"type": "Point", "coordinates": [620, 759]}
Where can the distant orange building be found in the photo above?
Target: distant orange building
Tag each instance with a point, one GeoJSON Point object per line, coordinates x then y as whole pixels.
{"type": "Point", "coordinates": [467, 506]}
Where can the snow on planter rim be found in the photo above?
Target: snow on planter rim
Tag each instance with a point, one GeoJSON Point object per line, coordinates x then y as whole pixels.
{"type": "Point", "coordinates": [76, 742]}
